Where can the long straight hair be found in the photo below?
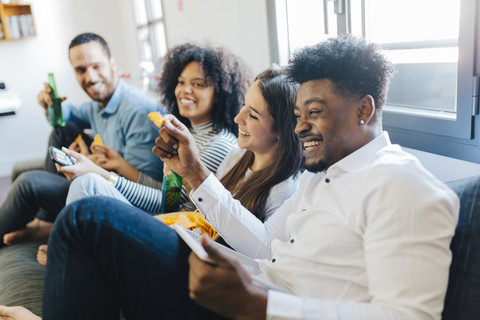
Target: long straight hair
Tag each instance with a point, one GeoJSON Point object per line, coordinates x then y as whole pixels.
{"type": "Point", "coordinates": [253, 192]}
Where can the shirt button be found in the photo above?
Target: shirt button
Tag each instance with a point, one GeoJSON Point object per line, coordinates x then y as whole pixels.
{"type": "Point", "coordinates": [327, 180]}
{"type": "Point", "coordinates": [273, 260]}
{"type": "Point", "coordinates": [200, 199]}
{"type": "Point", "coordinates": [292, 240]}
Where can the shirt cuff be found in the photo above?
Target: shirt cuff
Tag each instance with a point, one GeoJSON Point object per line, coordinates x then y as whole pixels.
{"type": "Point", "coordinates": [202, 196]}
{"type": "Point", "coordinates": [281, 305]}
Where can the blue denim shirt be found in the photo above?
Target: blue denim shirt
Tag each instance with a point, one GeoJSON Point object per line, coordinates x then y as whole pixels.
{"type": "Point", "coordinates": [123, 125]}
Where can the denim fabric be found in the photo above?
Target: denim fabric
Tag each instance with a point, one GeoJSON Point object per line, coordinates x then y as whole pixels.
{"type": "Point", "coordinates": [91, 184]}
{"type": "Point", "coordinates": [33, 194]}
{"type": "Point", "coordinates": [104, 255]}
{"type": "Point", "coordinates": [462, 301]}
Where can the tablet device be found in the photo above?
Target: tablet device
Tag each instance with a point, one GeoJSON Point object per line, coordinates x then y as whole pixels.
{"type": "Point", "coordinates": [192, 243]}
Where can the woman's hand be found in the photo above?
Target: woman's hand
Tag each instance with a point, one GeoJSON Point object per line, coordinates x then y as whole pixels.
{"type": "Point", "coordinates": [80, 147]}
{"type": "Point", "coordinates": [83, 165]}
{"type": "Point", "coordinates": [107, 158]}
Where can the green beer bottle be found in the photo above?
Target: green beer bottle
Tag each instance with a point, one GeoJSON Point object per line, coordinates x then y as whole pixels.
{"type": "Point", "coordinates": [171, 193]}
{"type": "Point", "coordinates": [55, 110]}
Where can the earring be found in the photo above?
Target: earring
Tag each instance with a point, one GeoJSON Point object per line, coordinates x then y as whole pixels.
{"type": "Point", "coordinates": [362, 122]}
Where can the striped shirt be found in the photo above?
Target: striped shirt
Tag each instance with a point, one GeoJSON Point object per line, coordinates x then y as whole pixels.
{"type": "Point", "coordinates": [213, 147]}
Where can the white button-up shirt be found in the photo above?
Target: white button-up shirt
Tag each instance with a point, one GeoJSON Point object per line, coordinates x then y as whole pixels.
{"type": "Point", "coordinates": [367, 239]}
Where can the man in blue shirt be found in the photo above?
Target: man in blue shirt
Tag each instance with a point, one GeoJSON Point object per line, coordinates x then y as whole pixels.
{"type": "Point", "coordinates": [118, 113]}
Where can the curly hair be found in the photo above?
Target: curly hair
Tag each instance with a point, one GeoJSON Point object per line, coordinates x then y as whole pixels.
{"type": "Point", "coordinates": [355, 67]}
{"type": "Point", "coordinates": [227, 73]}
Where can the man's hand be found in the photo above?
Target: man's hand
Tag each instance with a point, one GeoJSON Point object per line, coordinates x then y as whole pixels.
{"type": "Point", "coordinates": [107, 157]}
{"type": "Point", "coordinates": [81, 167]}
{"type": "Point", "coordinates": [177, 149]}
{"type": "Point", "coordinates": [227, 288]}
{"type": "Point", "coordinates": [44, 99]}
{"type": "Point", "coordinates": [80, 147]}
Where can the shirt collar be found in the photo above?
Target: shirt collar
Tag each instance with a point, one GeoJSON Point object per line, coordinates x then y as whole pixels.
{"type": "Point", "coordinates": [362, 156]}
{"type": "Point", "coordinates": [202, 128]}
{"type": "Point", "coordinates": [116, 98]}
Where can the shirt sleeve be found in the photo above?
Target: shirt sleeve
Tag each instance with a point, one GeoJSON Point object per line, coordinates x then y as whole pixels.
{"type": "Point", "coordinates": [281, 306]}
{"type": "Point", "coordinates": [238, 226]}
{"type": "Point", "coordinates": [211, 155]}
{"type": "Point", "coordinates": [146, 198]}
{"type": "Point", "coordinates": [409, 221]}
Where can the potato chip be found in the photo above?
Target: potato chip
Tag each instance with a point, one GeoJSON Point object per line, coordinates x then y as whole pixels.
{"type": "Point", "coordinates": [189, 220]}
{"type": "Point", "coordinates": [78, 138]}
{"type": "Point", "coordinates": [157, 118]}
{"type": "Point", "coordinates": [97, 141]}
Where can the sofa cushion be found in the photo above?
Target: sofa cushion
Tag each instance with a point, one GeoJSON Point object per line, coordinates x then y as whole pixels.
{"type": "Point", "coordinates": [21, 277]}
{"type": "Point", "coordinates": [463, 294]}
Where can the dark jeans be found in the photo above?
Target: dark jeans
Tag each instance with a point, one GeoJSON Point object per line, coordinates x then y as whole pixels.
{"type": "Point", "coordinates": [104, 255]}
{"type": "Point", "coordinates": [33, 194]}
{"type": "Point", "coordinates": [63, 137]}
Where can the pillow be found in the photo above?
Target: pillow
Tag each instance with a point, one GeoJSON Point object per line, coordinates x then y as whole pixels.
{"type": "Point", "coordinates": [463, 295]}
{"type": "Point", "coordinates": [21, 277]}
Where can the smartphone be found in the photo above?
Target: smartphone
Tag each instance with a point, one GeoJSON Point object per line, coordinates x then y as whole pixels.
{"type": "Point", "coordinates": [61, 157]}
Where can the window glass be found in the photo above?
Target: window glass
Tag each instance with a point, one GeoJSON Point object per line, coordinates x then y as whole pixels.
{"type": "Point", "coordinates": [151, 38]}
{"type": "Point", "coordinates": [423, 45]}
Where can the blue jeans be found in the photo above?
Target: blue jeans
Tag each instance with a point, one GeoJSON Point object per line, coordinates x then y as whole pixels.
{"type": "Point", "coordinates": [33, 194]}
{"type": "Point", "coordinates": [105, 255]}
{"type": "Point", "coordinates": [91, 184]}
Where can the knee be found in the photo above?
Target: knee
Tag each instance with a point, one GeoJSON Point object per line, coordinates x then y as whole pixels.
{"type": "Point", "coordinates": [26, 181]}
{"type": "Point", "coordinates": [84, 186]}
{"type": "Point", "coordinates": [88, 181]}
{"type": "Point", "coordinates": [79, 212]}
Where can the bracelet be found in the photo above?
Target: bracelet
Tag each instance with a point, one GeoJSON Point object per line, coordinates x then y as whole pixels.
{"type": "Point", "coordinates": [113, 178]}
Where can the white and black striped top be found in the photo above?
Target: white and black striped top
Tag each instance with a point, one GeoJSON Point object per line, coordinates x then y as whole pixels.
{"type": "Point", "coordinates": [213, 147]}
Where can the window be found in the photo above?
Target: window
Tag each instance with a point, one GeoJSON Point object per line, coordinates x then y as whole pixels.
{"type": "Point", "coordinates": [432, 104]}
{"type": "Point", "coordinates": [150, 30]}
{"type": "Point", "coordinates": [151, 39]}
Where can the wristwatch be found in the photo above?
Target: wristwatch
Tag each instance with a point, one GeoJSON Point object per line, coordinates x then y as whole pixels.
{"type": "Point", "coordinates": [113, 178]}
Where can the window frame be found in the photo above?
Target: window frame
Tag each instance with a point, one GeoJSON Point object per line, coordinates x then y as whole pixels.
{"type": "Point", "coordinates": [150, 26]}
{"type": "Point", "coordinates": [456, 137]}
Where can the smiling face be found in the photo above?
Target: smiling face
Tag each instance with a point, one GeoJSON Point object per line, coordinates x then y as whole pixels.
{"type": "Point", "coordinates": [95, 71]}
{"type": "Point", "coordinates": [195, 97]}
{"type": "Point", "coordinates": [327, 125]}
{"type": "Point", "coordinates": [255, 124]}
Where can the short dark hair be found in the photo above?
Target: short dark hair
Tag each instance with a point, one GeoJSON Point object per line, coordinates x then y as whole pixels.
{"type": "Point", "coordinates": [89, 37]}
{"type": "Point", "coordinates": [226, 72]}
{"type": "Point", "coordinates": [355, 67]}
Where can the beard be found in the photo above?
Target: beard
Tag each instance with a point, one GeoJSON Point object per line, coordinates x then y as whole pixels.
{"type": "Point", "coordinates": [315, 167]}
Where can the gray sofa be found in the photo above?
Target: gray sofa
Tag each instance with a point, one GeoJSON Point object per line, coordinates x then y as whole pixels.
{"type": "Point", "coordinates": [21, 278]}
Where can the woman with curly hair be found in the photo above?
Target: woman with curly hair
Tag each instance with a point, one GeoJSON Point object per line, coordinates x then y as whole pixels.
{"type": "Point", "coordinates": [261, 175]}
{"type": "Point", "coordinates": [204, 88]}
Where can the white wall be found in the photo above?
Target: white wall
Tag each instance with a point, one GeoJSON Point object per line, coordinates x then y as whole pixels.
{"type": "Point", "coordinates": [239, 25]}
{"type": "Point", "coordinates": [24, 65]}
